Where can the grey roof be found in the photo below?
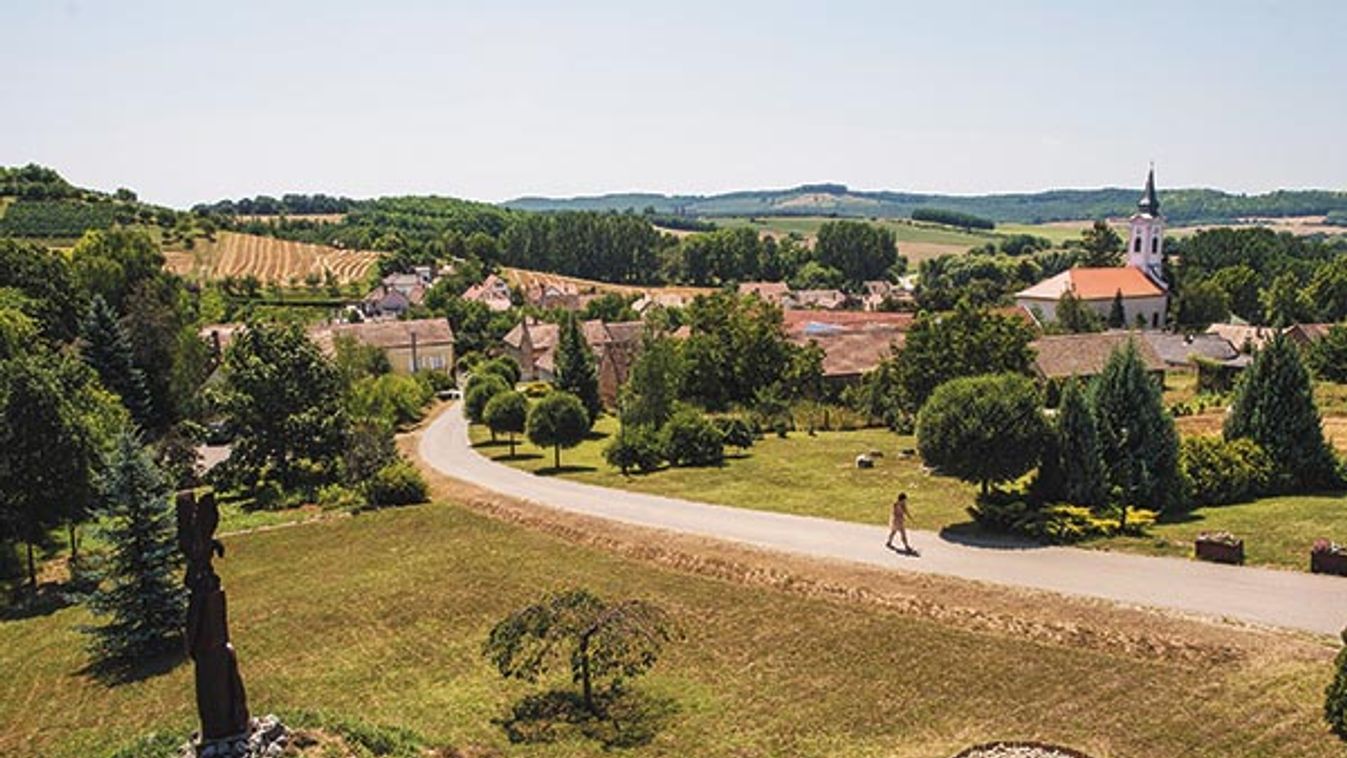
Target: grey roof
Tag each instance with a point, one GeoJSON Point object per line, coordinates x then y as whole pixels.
{"type": "Point", "coordinates": [1179, 349]}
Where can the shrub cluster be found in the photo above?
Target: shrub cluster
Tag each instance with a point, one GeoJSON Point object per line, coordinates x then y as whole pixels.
{"type": "Point", "coordinates": [398, 483]}
{"type": "Point", "coordinates": [1221, 472]}
{"type": "Point", "coordinates": [691, 439]}
{"type": "Point", "coordinates": [1055, 523]}
{"type": "Point", "coordinates": [635, 447]}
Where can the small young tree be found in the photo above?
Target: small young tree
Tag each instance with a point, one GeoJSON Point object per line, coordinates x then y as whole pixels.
{"type": "Point", "coordinates": [1081, 467]}
{"type": "Point", "coordinates": [1335, 696]}
{"type": "Point", "coordinates": [1137, 439]}
{"type": "Point", "coordinates": [1328, 356]}
{"type": "Point", "coordinates": [507, 413]}
{"type": "Point", "coordinates": [577, 371]}
{"type": "Point", "coordinates": [480, 391]}
{"type": "Point", "coordinates": [603, 643]}
{"type": "Point", "coordinates": [503, 366]}
{"type": "Point", "coordinates": [140, 592]}
{"type": "Point", "coordinates": [982, 429]}
{"type": "Point", "coordinates": [107, 350]}
{"type": "Point", "coordinates": [1101, 244]}
{"type": "Point", "coordinates": [1117, 314]}
{"type": "Point", "coordinates": [558, 420]}
{"type": "Point", "coordinates": [1274, 406]}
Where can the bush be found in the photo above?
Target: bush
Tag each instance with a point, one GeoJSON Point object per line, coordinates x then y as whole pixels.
{"type": "Point", "coordinates": [1335, 696]}
{"type": "Point", "coordinates": [635, 447]}
{"type": "Point", "coordinates": [335, 497]}
{"type": "Point", "coordinates": [690, 439]}
{"type": "Point", "coordinates": [268, 495]}
{"type": "Point", "coordinates": [439, 381]}
{"type": "Point", "coordinates": [1057, 524]}
{"type": "Point", "coordinates": [398, 483]}
{"type": "Point", "coordinates": [399, 399]}
{"type": "Point", "coordinates": [736, 432]}
{"type": "Point", "coordinates": [535, 390]}
{"type": "Point", "coordinates": [1223, 472]}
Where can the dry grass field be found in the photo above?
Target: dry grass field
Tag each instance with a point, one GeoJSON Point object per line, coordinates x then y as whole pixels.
{"type": "Point", "coordinates": [269, 259]}
{"type": "Point", "coordinates": [519, 277]}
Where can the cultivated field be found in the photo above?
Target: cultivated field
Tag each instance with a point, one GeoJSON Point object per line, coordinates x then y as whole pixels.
{"type": "Point", "coordinates": [519, 277]}
{"type": "Point", "coordinates": [269, 259]}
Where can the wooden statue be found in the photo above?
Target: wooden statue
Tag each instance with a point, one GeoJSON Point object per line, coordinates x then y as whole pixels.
{"type": "Point", "coordinates": [220, 699]}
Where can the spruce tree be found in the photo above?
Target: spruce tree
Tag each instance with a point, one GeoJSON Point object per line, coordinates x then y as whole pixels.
{"type": "Point", "coordinates": [577, 371]}
{"type": "Point", "coordinates": [1117, 315]}
{"type": "Point", "coordinates": [1274, 406]}
{"type": "Point", "coordinates": [1137, 439]}
{"type": "Point", "coordinates": [140, 591]}
{"type": "Point", "coordinates": [108, 351]}
{"type": "Point", "coordinates": [1081, 467]}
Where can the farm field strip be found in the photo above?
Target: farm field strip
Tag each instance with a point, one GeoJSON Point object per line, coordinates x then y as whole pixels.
{"type": "Point", "coordinates": [270, 259]}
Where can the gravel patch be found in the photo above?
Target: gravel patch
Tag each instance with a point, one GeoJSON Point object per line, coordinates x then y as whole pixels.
{"type": "Point", "coordinates": [1019, 750]}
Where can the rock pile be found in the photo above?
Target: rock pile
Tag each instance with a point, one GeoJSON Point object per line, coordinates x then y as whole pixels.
{"type": "Point", "coordinates": [267, 739]}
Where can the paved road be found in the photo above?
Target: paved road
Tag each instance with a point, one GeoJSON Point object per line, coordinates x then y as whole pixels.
{"type": "Point", "coordinates": [1261, 596]}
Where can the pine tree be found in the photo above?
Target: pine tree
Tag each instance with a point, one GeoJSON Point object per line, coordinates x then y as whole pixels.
{"type": "Point", "coordinates": [1137, 440]}
{"type": "Point", "coordinates": [1117, 315]}
{"type": "Point", "coordinates": [1082, 468]}
{"type": "Point", "coordinates": [108, 351]}
{"type": "Point", "coordinates": [140, 590]}
{"type": "Point", "coordinates": [577, 371]}
{"type": "Point", "coordinates": [1274, 406]}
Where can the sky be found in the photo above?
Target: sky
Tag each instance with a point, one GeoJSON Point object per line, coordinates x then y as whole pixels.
{"type": "Point", "coordinates": [188, 102]}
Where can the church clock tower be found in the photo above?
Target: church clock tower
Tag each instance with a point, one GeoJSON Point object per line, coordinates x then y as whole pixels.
{"type": "Point", "coordinates": [1146, 241]}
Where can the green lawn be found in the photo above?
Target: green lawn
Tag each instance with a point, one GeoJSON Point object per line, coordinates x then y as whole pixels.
{"type": "Point", "coordinates": [816, 476]}
{"type": "Point", "coordinates": [382, 617]}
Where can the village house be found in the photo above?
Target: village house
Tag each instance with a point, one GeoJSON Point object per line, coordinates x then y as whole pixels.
{"type": "Point", "coordinates": [823, 300]}
{"type": "Point", "coordinates": [769, 292]}
{"type": "Point", "coordinates": [418, 345]}
{"type": "Point", "coordinates": [1140, 283]}
{"type": "Point", "coordinates": [533, 345]}
{"type": "Point", "coordinates": [493, 292]}
{"type": "Point", "coordinates": [853, 342]}
{"type": "Point", "coordinates": [396, 294]}
{"type": "Point", "coordinates": [659, 300]}
{"type": "Point", "coordinates": [1304, 335]}
{"type": "Point", "coordinates": [1063, 356]}
{"type": "Point", "coordinates": [1186, 350]}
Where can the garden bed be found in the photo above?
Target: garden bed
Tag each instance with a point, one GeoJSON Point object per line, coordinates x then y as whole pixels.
{"type": "Point", "coordinates": [1219, 548]}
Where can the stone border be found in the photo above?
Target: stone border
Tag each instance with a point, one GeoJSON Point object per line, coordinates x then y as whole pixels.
{"type": "Point", "coordinates": [1063, 751]}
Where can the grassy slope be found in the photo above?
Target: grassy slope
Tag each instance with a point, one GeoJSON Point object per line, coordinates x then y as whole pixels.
{"type": "Point", "coordinates": [816, 476]}
{"type": "Point", "coordinates": [382, 616]}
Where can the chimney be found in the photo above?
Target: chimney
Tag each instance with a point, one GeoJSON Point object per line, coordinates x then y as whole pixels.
{"type": "Point", "coordinates": [415, 364]}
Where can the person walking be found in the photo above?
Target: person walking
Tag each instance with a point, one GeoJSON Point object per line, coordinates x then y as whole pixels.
{"type": "Point", "coordinates": [898, 514]}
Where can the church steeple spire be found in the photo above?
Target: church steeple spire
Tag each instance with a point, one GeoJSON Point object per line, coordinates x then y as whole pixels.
{"type": "Point", "coordinates": [1149, 203]}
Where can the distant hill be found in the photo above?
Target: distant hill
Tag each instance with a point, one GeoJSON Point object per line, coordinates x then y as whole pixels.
{"type": "Point", "coordinates": [37, 202]}
{"type": "Point", "coordinates": [1180, 206]}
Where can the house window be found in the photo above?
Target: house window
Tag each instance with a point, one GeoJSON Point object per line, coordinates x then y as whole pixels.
{"type": "Point", "coordinates": [1136, 245]}
{"type": "Point", "coordinates": [1155, 320]}
{"type": "Point", "coordinates": [1155, 244]}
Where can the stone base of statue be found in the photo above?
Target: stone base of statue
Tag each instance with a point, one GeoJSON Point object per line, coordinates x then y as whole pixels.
{"type": "Point", "coordinates": [266, 738]}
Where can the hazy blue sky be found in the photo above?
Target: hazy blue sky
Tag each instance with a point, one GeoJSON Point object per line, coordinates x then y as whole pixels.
{"type": "Point", "coordinates": [192, 101]}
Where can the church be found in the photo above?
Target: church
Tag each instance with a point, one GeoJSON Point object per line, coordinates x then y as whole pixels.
{"type": "Point", "coordinates": [1141, 283]}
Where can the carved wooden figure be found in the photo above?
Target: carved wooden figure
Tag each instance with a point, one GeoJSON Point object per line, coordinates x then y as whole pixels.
{"type": "Point", "coordinates": [220, 699]}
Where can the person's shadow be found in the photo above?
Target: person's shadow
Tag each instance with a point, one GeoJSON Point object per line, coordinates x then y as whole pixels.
{"type": "Point", "coordinates": [910, 552]}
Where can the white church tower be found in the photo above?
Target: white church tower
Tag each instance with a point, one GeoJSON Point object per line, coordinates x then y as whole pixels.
{"type": "Point", "coordinates": [1146, 242]}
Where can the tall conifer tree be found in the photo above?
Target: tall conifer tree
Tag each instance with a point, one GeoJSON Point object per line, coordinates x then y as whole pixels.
{"type": "Point", "coordinates": [1117, 314]}
{"type": "Point", "coordinates": [1274, 406]}
{"type": "Point", "coordinates": [1082, 468]}
{"type": "Point", "coordinates": [577, 370]}
{"type": "Point", "coordinates": [108, 351]}
{"type": "Point", "coordinates": [1137, 439]}
{"type": "Point", "coordinates": [140, 591]}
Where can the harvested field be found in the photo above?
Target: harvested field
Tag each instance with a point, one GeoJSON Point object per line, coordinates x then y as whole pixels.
{"type": "Point", "coordinates": [321, 218]}
{"type": "Point", "coordinates": [519, 277]}
{"type": "Point", "coordinates": [269, 259]}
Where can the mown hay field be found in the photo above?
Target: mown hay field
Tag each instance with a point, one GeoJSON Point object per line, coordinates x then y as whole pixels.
{"type": "Point", "coordinates": [269, 259]}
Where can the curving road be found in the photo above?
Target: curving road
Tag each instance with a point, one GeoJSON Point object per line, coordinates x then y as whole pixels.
{"type": "Point", "coordinates": [1289, 599]}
